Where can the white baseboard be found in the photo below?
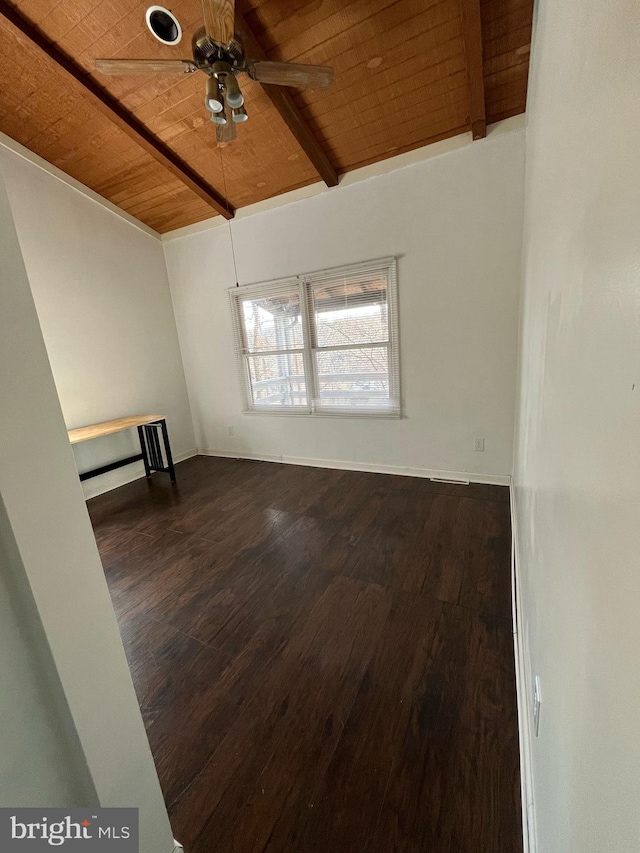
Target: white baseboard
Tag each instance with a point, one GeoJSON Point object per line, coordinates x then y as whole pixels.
{"type": "Point", "coordinates": [529, 840]}
{"type": "Point", "coordinates": [122, 476]}
{"type": "Point", "coordinates": [342, 465]}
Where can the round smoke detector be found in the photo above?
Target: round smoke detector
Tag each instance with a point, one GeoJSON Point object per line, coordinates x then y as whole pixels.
{"type": "Point", "coordinates": [163, 25]}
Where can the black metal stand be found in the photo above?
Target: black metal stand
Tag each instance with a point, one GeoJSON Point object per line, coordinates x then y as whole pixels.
{"type": "Point", "coordinates": [151, 450]}
{"type": "Point", "coordinates": [151, 454]}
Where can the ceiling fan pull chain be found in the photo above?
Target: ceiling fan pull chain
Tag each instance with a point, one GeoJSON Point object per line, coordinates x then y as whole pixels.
{"type": "Point", "coordinates": [233, 248]}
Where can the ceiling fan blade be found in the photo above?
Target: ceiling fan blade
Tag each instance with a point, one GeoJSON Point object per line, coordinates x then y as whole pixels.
{"type": "Point", "coordinates": [291, 74]}
{"type": "Point", "coordinates": [219, 20]}
{"type": "Point", "coordinates": [145, 66]}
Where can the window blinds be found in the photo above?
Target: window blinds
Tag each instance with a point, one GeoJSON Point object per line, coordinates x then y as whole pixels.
{"type": "Point", "coordinates": [323, 343]}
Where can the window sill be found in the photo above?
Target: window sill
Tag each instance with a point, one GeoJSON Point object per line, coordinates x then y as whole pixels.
{"type": "Point", "coordinates": [393, 416]}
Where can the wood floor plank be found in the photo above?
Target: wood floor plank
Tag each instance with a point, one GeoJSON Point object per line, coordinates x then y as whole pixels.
{"type": "Point", "coordinates": [484, 767]}
{"type": "Point", "coordinates": [177, 681]}
{"type": "Point", "coordinates": [323, 659]}
{"type": "Point", "coordinates": [116, 546]}
{"type": "Point", "coordinates": [296, 488]}
{"type": "Point", "coordinates": [484, 586]}
{"type": "Point", "coordinates": [418, 801]}
{"type": "Point", "coordinates": [389, 552]}
{"type": "Point", "coordinates": [348, 805]}
{"type": "Point", "coordinates": [155, 569]}
{"type": "Point", "coordinates": [190, 694]}
{"type": "Point", "coordinates": [449, 528]}
{"type": "Point", "coordinates": [260, 585]}
{"type": "Point", "coordinates": [288, 731]}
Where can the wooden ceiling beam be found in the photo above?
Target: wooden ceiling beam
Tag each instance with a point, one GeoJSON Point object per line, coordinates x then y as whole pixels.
{"type": "Point", "coordinates": [291, 115]}
{"type": "Point", "coordinates": [120, 116]}
{"type": "Point", "coordinates": [473, 49]}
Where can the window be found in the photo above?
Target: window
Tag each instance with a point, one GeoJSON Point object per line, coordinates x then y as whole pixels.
{"type": "Point", "coordinates": [324, 343]}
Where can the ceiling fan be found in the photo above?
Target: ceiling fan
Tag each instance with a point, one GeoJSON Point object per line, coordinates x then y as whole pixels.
{"type": "Point", "coordinates": [219, 53]}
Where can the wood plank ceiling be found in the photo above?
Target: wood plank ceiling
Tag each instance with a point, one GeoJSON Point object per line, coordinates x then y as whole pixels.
{"type": "Point", "coordinates": [408, 72]}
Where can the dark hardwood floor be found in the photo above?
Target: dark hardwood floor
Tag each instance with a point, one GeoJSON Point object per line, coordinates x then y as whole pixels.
{"type": "Point", "coordinates": [323, 658]}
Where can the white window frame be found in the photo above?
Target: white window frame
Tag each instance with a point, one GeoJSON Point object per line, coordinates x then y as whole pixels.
{"type": "Point", "coordinates": [303, 285]}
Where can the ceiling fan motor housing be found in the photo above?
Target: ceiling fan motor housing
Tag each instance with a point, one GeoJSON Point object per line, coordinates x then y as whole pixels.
{"type": "Point", "coordinates": [207, 52]}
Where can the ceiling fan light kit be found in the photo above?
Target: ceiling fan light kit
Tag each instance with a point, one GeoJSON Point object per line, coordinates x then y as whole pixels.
{"type": "Point", "coordinates": [219, 54]}
{"type": "Point", "coordinates": [214, 101]}
{"type": "Point", "coordinates": [232, 92]}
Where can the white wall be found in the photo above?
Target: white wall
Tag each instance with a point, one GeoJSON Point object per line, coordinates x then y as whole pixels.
{"type": "Point", "coordinates": [40, 759]}
{"type": "Point", "coordinates": [75, 735]}
{"type": "Point", "coordinates": [578, 450]}
{"type": "Point", "coordinates": [101, 291]}
{"type": "Point", "coordinates": [455, 223]}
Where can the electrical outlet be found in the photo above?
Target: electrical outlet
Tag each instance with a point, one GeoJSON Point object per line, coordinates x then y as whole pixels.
{"type": "Point", "coordinates": [479, 445]}
{"type": "Point", "coordinates": [232, 430]}
{"type": "Point", "coordinates": [537, 698]}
